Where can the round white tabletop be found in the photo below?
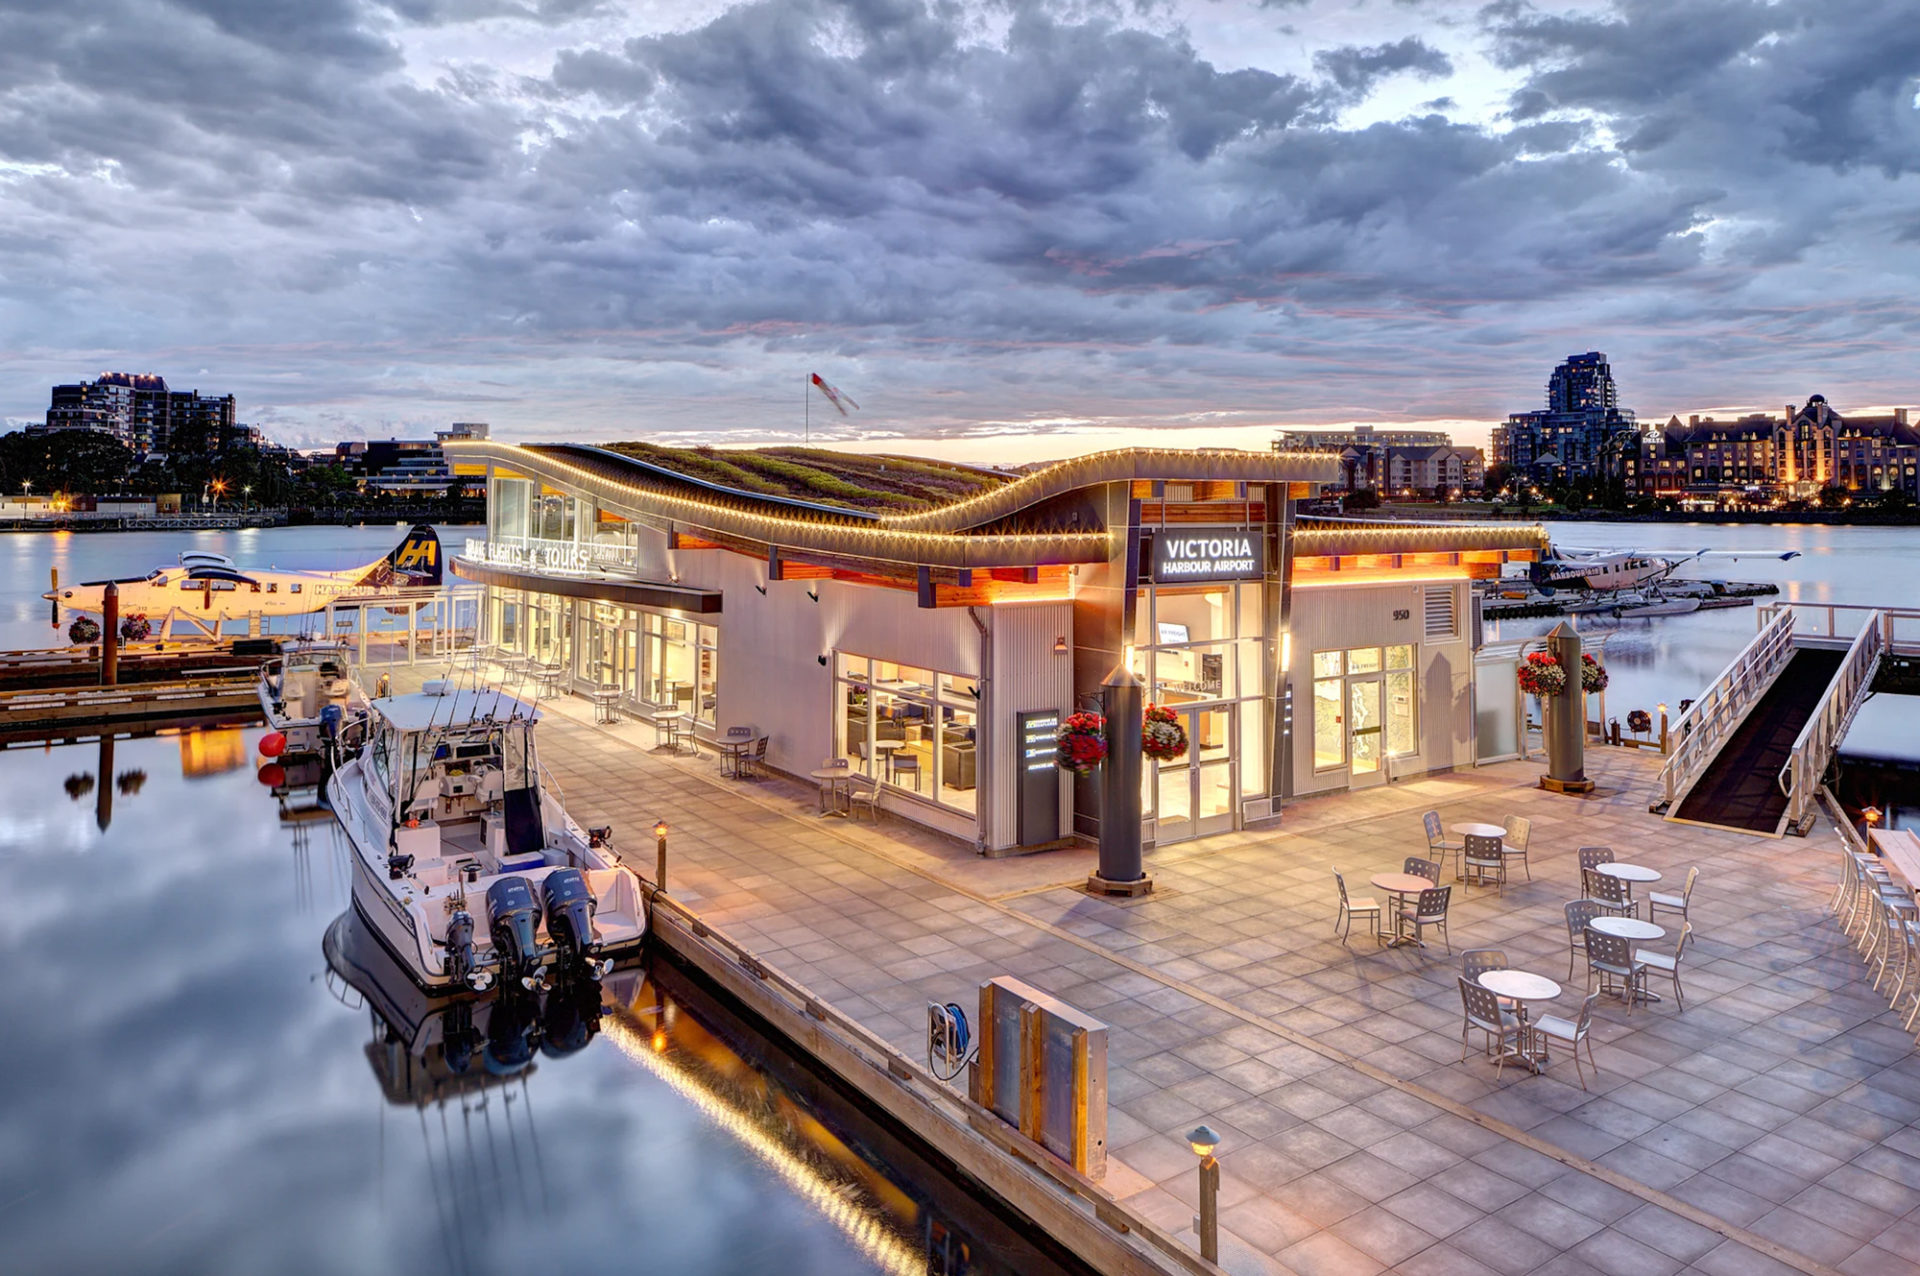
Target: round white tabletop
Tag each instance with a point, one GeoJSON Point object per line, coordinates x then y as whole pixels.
{"type": "Point", "coordinates": [1401, 883]}
{"type": "Point", "coordinates": [1478, 830]}
{"type": "Point", "coordinates": [833, 773]}
{"type": "Point", "coordinates": [1629, 872]}
{"type": "Point", "coordinates": [887, 746]}
{"type": "Point", "coordinates": [1519, 985]}
{"type": "Point", "coordinates": [669, 715]}
{"type": "Point", "coordinates": [1627, 928]}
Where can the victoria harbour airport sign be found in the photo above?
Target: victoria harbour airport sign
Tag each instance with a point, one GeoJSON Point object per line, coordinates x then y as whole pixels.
{"type": "Point", "coordinates": [1208, 553]}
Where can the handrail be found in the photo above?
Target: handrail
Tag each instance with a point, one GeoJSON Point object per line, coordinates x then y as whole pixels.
{"type": "Point", "coordinates": [1708, 721]}
{"type": "Point", "coordinates": [1814, 746]}
{"type": "Point", "coordinates": [1115, 1216]}
{"type": "Point", "coordinates": [1841, 824]}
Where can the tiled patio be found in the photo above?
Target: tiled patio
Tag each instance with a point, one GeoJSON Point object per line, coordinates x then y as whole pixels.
{"type": "Point", "coordinates": [1767, 1128]}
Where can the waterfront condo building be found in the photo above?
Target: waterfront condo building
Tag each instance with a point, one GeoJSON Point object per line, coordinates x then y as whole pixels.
{"type": "Point", "coordinates": [142, 412]}
{"type": "Point", "coordinates": [1761, 457]}
{"type": "Point", "coordinates": [1578, 434]}
{"type": "Point", "coordinates": [1392, 461]}
{"type": "Point", "coordinates": [932, 624]}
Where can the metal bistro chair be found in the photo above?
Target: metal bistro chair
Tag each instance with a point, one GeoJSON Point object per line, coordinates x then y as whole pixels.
{"type": "Point", "coordinates": [1610, 957]}
{"type": "Point", "coordinates": [1415, 866]}
{"type": "Point", "coordinates": [1483, 1011]}
{"type": "Point", "coordinates": [1429, 909]}
{"type": "Point", "coordinates": [1579, 912]}
{"type": "Point", "coordinates": [1514, 845]}
{"type": "Point", "coordinates": [757, 760]}
{"type": "Point", "coordinates": [1475, 962]}
{"type": "Point", "coordinates": [1649, 960]}
{"type": "Point", "coordinates": [1592, 857]}
{"type": "Point", "coordinates": [1350, 907]}
{"type": "Point", "coordinates": [863, 790]}
{"type": "Point", "coordinates": [1615, 895]}
{"type": "Point", "coordinates": [1572, 1032]}
{"type": "Point", "coordinates": [1483, 859]}
{"type": "Point", "coordinates": [1657, 900]}
{"type": "Point", "coordinates": [1437, 844]}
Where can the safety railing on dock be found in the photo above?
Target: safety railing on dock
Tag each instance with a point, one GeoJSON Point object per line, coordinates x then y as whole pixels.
{"type": "Point", "coordinates": [1699, 732]}
{"type": "Point", "coordinates": [1799, 779]}
{"type": "Point", "coordinates": [918, 1092]}
{"type": "Point", "coordinates": [1900, 626]}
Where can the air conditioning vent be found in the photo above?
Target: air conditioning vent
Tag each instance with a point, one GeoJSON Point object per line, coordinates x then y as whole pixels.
{"type": "Point", "coordinates": [1441, 621]}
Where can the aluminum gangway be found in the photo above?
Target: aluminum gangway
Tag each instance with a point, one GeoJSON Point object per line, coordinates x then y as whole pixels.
{"type": "Point", "coordinates": [1751, 753]}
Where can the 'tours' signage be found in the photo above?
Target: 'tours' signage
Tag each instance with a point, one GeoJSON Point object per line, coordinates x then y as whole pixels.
{"type": "Point", "coordinates": [1208, 553]}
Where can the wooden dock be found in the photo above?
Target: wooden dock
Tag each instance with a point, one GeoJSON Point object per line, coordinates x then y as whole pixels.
{"type": "Point", "coordinates": [59, 688]}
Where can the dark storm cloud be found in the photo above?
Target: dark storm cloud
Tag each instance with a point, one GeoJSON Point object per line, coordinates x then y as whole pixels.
{"type": "Point", "coordinates": [1355, 68]}
{"type": "Point", "coordinates": [1011, 197]}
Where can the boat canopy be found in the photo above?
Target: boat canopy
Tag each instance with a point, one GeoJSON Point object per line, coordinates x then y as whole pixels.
{"type": "Point", "coordinates": [420, 710]}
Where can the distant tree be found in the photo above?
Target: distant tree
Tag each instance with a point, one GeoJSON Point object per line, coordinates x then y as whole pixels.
{"type": "Point", "coordinates": [1833, 496]}
{"type": "Point", "coordinates": [1364, 499]}
{"type": "Point", "coordinates": [80, 461]}
{"type": "Point", "coordinates": [1495, 479]}
{"type": "Point", "coordinates": [1442, 493]}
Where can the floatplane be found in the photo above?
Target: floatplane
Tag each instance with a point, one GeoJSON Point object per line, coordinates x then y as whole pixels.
{"type": "Point", "coordinates": [205, 589]}
{"type": "Point", "coordinates": [1609, 570]}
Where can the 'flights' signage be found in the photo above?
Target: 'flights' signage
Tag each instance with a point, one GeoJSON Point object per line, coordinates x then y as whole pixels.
{"type": "Point", "coordinates": [1208, 553]}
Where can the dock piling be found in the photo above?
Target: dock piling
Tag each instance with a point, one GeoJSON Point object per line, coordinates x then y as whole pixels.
{"type": "Point", "coordinates": [110, 636]}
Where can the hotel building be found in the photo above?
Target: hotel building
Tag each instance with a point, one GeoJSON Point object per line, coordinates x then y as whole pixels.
{"type": "Point", "coordinates": [936, 638]}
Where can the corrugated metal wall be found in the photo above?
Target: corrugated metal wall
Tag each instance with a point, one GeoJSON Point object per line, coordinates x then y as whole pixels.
{"type": "Point", "coordinates": [1027, 675]}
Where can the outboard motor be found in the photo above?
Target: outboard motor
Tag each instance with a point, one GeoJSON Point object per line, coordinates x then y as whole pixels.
{"type": "Point", "coordinates": [331, 716]}
{"type": "Point", "coordinates": [569, 916]}
{"type": "Point", "coordinates": [511, 922]}
{"type": "Point", "coordinates": [460, 960]}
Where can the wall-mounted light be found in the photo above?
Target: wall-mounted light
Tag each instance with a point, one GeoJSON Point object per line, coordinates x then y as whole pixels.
{"type": "Point", "coordinates": [1060, 645]}
{"type": "Point", "coordinates": [814, 594]}
{"type": "Point", "coordinates": [762, 589]}
{"type": "Point", "coordinates": [822, 660]}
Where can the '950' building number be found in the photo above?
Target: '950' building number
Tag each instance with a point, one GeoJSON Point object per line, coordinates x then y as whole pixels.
{"type": "Point", "coordinates": [1403, 613]}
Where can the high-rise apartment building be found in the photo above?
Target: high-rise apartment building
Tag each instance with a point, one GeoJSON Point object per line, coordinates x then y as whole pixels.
{"type": "Point", "coordinates": [1579, 432]}
{"type": "Point", "coordinates": [139, 410]}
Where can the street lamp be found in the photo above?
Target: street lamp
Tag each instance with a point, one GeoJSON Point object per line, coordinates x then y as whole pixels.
{"type": "Point", "coordinates": [1203, 1141]}
{"type": "Point", "coordinates": [660, 845]}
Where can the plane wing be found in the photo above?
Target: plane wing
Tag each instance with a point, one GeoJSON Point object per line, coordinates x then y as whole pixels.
{"type": "Point", "coordinates": [1684, 555]}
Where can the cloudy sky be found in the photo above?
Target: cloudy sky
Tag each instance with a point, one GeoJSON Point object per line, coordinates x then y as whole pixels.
{"type": "Point", "coordinates": [1006, 229]}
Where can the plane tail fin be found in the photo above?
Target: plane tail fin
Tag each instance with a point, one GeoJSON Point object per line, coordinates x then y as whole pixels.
{"type": "Point", "coordinates": [414, 562]}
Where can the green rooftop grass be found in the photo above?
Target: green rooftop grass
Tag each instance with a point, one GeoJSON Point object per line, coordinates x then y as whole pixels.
{"type": "Point", "coordinates": [876, 484]}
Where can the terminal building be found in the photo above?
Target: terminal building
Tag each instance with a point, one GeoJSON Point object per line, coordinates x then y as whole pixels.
{"type": "Point", "coordinates": [933, 624]}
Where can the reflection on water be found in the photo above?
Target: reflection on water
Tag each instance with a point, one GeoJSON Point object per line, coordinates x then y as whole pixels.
{"type": "Point", "coordinates": [184, 1092]}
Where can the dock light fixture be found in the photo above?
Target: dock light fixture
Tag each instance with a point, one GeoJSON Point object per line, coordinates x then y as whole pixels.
{"type": "Point", "coordinates": [660, 846]}
{"type": "Point", "coordinates": [1203, 1141]}
{"type": "Point", "coordinates": [1871, 815]}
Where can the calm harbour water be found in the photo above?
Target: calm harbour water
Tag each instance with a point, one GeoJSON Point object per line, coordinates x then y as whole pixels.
{"type": "Point", "coordinates": [190, 1087]}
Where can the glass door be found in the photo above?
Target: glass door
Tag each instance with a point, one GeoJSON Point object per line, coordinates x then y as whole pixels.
{"type": "Point", "coordinates": [1195, 792]}
{"type": "Point", "coordinates": [1366, 740]}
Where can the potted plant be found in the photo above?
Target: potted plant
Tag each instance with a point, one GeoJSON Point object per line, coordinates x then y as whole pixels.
{"type": "Point", "coordinates": [135, 628]}
{"type": "Point", "coordinates": [1593, 674]}
{"type": "Point", "coordinates": [84, 629]}
{"type": "Point", "coordinates": [1082, 743]}
{"type": "Point", "coordinates": [1541, 675]}
{"type": "Point", "coordinates": [1162, 736]}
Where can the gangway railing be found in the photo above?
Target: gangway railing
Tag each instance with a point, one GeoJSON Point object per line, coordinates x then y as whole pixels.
{"type": "Point", "coordinates": [1699, 733]}
{"type": "Point", "coordinates": [1900, 625]}
{"type": "Point", "coordinates": [1813, 748]}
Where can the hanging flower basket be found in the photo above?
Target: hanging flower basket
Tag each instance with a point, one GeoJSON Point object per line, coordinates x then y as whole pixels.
{"type": "Point", "coordinates": [1593, 674]}
{"type": "Point", "coordinates": [1541, 675]}
{"type": "Point", "coordinates": [1162, 737]}
{"type": "Point", "coordinates": [84, 629]}
{"type": "Point", "coordinates": [1082, 743]}
{"type": "Point", "coordinates": [135, 628]}
{"type": "Point", "coordinates": [1639, 721]}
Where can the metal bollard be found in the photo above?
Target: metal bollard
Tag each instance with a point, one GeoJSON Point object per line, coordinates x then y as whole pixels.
{"type": "Point", "coordinates": [660, 868]}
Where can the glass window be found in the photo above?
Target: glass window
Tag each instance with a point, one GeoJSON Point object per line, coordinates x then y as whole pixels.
{"type": "Point", "coordinates": [915, 730]}
{"type": "Point", "coordinates": [1400, 657]}
{"type": "Point", "coordinates": [1328, 664]}
{"type": "Point", "coordinates": [1329, 725]}
{"type": "Point", "coordinates": [1363, 660]}
{"type": "Point", "coordinates": [1400, 710]}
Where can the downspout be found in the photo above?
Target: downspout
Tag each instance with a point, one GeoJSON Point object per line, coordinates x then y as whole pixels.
{"type": "Point", "coordinates": [983, 728]}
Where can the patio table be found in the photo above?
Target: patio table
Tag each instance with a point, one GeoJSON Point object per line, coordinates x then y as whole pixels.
{"type": "Point", "coordinates": [1399, 885]}
{"type": "Point", "coordinates": [1520, 987]}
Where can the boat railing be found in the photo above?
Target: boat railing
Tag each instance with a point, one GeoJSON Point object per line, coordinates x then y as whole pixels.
{"type": "Point", "coordinates": [1705, 725]}
{"type": "Point", "coordinates": [1814, 746]}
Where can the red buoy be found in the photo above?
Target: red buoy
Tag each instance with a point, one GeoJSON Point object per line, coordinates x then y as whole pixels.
{"type": "Point", "coordinates": [273, 744]}
{"type": "Point", "coordinates": [273, 775]}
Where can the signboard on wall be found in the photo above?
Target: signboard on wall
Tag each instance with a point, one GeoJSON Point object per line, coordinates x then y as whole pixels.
{"type": "Point", "coordinates": [1037, 792]}
{"type": "Point", "coordinates": [1208, 553]}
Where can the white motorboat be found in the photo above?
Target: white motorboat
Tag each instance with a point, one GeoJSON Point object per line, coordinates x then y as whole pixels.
{"type": "Point", "coordinates": [1632, 605]}
{"type": "Point", "coordinates": [308, 693]}
{"type": "Point", "coordinates": [464, 860]}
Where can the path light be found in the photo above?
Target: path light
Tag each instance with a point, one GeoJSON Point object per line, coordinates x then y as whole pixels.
{"type": "Point", "coordinates": [1203, 1141]}
{"type": "Point", "coordinates": [660, 844]}
{"type": "Point", "coordinates": [1871, 815]}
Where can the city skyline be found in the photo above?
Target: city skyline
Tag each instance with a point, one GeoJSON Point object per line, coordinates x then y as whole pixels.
{"type": "Point", "coordinates": [1017, 232]}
